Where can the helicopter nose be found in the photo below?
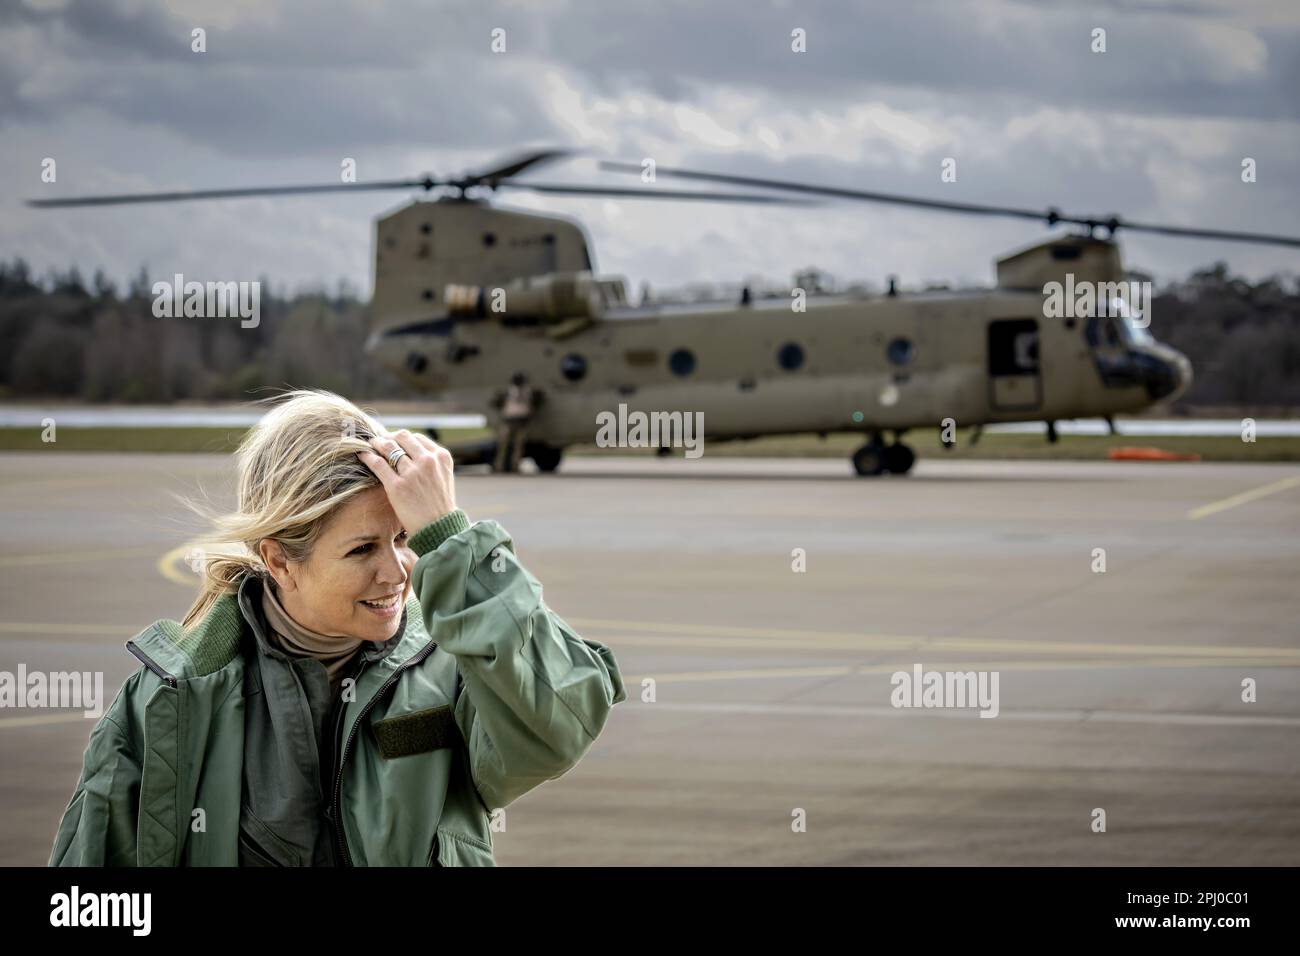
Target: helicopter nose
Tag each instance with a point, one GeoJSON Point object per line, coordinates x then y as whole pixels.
{"type": "Point", "coordinates": [1184, 373]}
{"type": "Point", "coordinates": [1166, 373]}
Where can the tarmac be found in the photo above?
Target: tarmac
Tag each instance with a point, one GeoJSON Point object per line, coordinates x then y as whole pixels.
{"type": "Point", "coordinates": [759, 610]}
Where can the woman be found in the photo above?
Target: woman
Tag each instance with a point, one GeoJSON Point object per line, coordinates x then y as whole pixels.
{"type": "Point", "coordinates": [363, 681]}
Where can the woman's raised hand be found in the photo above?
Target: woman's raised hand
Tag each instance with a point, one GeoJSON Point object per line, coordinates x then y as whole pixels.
{"type": "Point", "coordinates": [422, 487]}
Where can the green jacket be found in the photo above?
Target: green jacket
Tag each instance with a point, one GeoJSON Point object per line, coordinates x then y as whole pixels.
{"type": "Point", "coordinates": [486, 694]}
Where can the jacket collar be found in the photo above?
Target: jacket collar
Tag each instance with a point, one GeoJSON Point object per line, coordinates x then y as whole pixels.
{"type": "Point", "coordinates": [215, 640]}
{"type": "Point", "coordinates": [250, 605]}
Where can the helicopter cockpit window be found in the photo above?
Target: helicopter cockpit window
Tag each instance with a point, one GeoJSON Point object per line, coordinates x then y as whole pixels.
{"type": "Point", "coordinates": [900, 351]}
{"type": "Point", "coordinates": [1131, 325]}
{"type": "Point", "coordinates": [1137, 334]}
{"type": "Point", "coordinates": [573, 367]}
{"type": "Point", "coordinates": [790, 356]}
{"type": "Point", "coordinates": [682, 362]}
{"type": "Point", "coordinates": [1102, 330]}
{"type": "Point", "coordinates": [1109, 337]}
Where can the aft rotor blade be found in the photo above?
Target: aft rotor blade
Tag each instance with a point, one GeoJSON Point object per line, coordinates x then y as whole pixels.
{"type": "Point", "coordinates": [829, 191]}
{"type": "Point", "coordinates": [1229, 235]}
{"type": "Point", "coordinates": [1050, 216]}
{"type": "Point", "coordinates": [619, 192]}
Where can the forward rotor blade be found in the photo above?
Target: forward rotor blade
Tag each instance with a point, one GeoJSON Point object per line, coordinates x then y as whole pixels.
{"type": "Point", "coordinates": [516, 166]}
{"type": "Point", "coordinates": [190, 195]}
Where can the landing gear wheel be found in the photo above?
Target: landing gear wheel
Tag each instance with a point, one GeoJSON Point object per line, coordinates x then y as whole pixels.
{"type": "Point", "coordinates": [869, 460]}
{"type": "Point", "coordinates": [898, 458]}
{"type": "Point", "coordinates": [545, 457]}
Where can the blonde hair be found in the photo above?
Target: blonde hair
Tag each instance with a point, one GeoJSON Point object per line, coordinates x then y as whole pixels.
{"type": "Point", "coordinates": [295, 467]}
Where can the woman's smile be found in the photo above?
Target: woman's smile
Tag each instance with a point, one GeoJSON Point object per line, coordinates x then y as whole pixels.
{"type": "Point", "coordinates": [386, 607]}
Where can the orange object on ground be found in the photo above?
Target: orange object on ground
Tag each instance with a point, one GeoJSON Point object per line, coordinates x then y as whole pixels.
{"type": "Point", "coordinates": [1133, 453]}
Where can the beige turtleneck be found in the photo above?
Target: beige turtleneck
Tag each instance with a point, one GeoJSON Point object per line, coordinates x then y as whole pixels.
{"type": "Point", "coordinates": [292, 638]}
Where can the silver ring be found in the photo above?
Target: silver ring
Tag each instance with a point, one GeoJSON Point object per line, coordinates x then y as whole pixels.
{"type": "Point", "coordinates": [395, 456]}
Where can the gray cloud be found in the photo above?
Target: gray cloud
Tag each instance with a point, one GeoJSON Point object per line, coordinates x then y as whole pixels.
{"type": "Point", "coordinates": [1154, 129]}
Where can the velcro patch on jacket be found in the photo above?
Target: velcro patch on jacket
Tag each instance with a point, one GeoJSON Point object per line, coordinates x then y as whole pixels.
{"type": "Point", "coordinates": [416, 733]}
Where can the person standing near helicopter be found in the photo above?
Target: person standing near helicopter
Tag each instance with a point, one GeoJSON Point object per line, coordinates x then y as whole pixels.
{"type": "Point", "coordinates": [517, 404]}
{"type": "Point", "coordinates": [363, 679]}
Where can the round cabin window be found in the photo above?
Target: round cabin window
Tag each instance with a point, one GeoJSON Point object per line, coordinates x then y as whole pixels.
{"type": "Point", "coordinates": [900, 351]}
{"type": "Point", "coordinates": [790, 356]}
{"type": "Point", "coordinates": [682, 362]}
{"type": "Point", "coordinates": [573, 367]}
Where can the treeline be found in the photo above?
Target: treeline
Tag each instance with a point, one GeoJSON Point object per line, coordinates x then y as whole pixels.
{"type": "Point", "coordinates": [64, 336]}
{"type": "Point", "coordinates": [1243, 338]}
{"type": "Point", "coordinates": [67, 336]}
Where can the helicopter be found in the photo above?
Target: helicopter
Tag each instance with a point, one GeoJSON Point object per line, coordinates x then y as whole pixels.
{"type": "Point", "coordinates": [468, 295]}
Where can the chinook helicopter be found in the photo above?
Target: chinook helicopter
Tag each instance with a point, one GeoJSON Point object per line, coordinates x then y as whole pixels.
{"type": "Point", "coordinates": [467, 295]}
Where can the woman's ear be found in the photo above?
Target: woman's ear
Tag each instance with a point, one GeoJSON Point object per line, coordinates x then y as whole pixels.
{"type": "Point", "coordinates": [273, 556]}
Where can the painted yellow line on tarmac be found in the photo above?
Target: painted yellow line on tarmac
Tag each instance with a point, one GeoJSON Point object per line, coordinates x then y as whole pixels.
{"type": "Point", "coordinates": [781, 673]}
{"type": "Point", "coordinates": [811, 640]}
{"type": "Point", "coordinates": [12, 723]}
{"type": "Point", "coordinates": [754, 673]}
{"type": "Point", "coordinates": [71, 557]}
{"type": "Point", "coordinates": [1224, 504]}
{"type": "Point", "coordinates": [24, 627]}
{"type": "Point", "coordinates": [780, 638]}
{"type": "Point", "coordinates": [167, 565]}
{"type": "Point", "coordinates": [1073, 715]}
{"type": "Point", "coordinates": [45, 484]}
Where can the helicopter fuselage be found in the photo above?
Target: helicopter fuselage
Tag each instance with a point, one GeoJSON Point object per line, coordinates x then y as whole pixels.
{"type": "Point", "coordinates": [761, 368]}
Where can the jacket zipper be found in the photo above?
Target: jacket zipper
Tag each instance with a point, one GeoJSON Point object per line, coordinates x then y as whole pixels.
{"type": "Point", "coordinates": [340, 838]}
{"type": "Point", "coordinates": [144, 658]}
{"type": "Point", "coordinates": [335, 721]}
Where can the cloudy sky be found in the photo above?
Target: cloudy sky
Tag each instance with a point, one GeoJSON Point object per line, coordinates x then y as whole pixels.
{"type": "Point", "coordinates": [1155, 128]}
